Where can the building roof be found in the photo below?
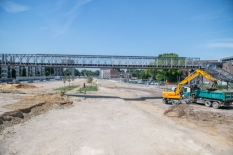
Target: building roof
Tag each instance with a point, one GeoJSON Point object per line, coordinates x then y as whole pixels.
{"type": "Point", "coordinates": [227, 59]}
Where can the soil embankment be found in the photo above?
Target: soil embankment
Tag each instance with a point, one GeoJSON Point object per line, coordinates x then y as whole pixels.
{"type": "Point", "coordinates": [215, 123]}
{"type": "Point", "coordinates": [30, 106]}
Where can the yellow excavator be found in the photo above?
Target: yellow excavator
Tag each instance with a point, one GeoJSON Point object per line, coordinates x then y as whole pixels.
{"type": "Point", "coordinates": [176, 96]}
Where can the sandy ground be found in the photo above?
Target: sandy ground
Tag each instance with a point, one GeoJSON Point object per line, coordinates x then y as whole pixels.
{"type": "Point", "coordinates": [133, 123]}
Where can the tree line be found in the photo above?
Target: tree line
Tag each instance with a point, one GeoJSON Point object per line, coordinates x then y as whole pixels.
{"type": "Point", "coordinates": [172, 75]}
{"type": "Point", "coordinates": [83, 72]}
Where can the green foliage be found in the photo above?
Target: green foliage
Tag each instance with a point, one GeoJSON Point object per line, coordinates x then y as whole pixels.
{"type": "Point", "coordinates": [139, 74]}
{"type": "Point", "coordinates": [76, 72]}
{"type": "Point", "coordinates": [90, 79]}
{"type": "Point", "coordinates": [164, 74]}
{"type": "Point", "coordinates": [69, 79]}
{"type": "Point", "coordinates": [96, 73]}
{"type": "Point", "coordinates": [88, 88]}
{"type": "Point", "coordinates": [168, 55]}
{"type": "Point", "coordinates": [85, 72]}
{"type": "Point", "coordinates": [64, 79]}
{"type": "Point", "coordinates": [67, 72]}
{"type": "Point", "coordinates": [66, 88]}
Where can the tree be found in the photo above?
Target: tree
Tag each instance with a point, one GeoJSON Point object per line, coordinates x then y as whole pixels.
{"type": "Point", "coordinates": [76, 72]}
{"type": "Point", "coordinates": [64, 80]}
{"type": "Point", "coordinates": [67, 72]}
{"type": "Point", "coordinates": [69, 79]}
{"type": "Point", "coordinates": [97, 73]}
{"type": "Point", "coordinates": [164, 74]}
{"type": "Point", "coordinates": [90, 79]}
{"type": "Point", "coordinates": [83, 72]}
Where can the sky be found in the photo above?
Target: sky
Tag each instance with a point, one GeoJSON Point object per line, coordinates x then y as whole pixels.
{"type": "Point", "coordinates": [190, 28]}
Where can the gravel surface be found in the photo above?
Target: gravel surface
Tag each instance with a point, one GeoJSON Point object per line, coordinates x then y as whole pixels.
{"type": "Point", "coordinates": [112, 126]}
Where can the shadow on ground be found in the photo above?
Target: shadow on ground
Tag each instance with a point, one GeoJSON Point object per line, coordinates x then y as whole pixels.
{"type": "Point", "coordinates": [116, 97]}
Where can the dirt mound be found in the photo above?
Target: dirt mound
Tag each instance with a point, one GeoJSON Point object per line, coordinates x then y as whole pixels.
{"type": "Point", "coordinates": [17, 86]}
{"type": "Point", "coordinates": [31, 106]}
{"type": "Point", "coordinates": [30, 101]}
{"type": "Point", "coordinates": [212, 122]}
{"type": "Point", "coordinates": [179, 110]}
{"type": "Point", "coordinates": [185, 110]}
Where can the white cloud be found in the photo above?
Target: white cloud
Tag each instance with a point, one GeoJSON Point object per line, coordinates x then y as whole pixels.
{"type": "Point", "coordinates": [12, 7]}
{"type": "Point", "coordinates": [69, 17]}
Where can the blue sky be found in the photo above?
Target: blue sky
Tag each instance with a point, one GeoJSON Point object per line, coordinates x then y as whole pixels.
{"type": "Point", "coordinates": [190, 28]}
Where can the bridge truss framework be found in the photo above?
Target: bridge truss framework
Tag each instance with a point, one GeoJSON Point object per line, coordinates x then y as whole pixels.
{"type": "Point", "coordinates": [98, 61]}
{"type": "Point", "coordinates": [37, 62]}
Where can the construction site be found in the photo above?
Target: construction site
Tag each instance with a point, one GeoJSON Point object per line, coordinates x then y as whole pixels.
{"type": "Point", "coordinates": [116, 77]}
{"type": "Point", "coordinates": [118, 118]}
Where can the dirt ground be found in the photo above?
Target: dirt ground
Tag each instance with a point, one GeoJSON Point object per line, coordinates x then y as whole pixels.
{"type": "Point", "coordinates": [120, 119]}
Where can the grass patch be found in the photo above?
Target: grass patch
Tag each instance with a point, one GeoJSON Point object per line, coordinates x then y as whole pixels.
{"type": "Point", "coordinates": [88, 88]}
{"type": "Point", "coordinates": [66, 88]}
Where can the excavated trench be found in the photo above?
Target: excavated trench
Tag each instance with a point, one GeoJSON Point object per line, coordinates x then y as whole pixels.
{"type": "Point", "coordinates": [30, 107]}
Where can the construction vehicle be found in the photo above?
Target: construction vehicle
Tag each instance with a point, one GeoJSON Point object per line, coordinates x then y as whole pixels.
{"type": "Point", "coordinates": [184, 94]}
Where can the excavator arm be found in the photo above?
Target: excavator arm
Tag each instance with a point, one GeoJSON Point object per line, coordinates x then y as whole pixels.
{"type": "Point", "coordinates": [186, 80]}
{"type": "Point", "coordinates": [176, 94]}
{"type": "Point", "coordinates": [192, 76]}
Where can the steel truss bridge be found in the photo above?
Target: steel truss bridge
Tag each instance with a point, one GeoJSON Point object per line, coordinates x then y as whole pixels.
{"type": "Point", "coordinates": [99, 61]}
{"type": "Point", "coordinates": [111, 61]}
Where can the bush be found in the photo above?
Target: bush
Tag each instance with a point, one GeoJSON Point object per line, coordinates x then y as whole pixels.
{"type": "Point", "coordinates": [66, 88]}
{"type": "Point", "coordinates": [88, 88]}
{"type": "Point", "coordinates": [90, 79]}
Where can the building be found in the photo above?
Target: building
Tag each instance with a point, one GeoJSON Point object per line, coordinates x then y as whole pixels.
{"type": "Point", "coordinates": [227, 59]}
{"type": "Point", "coordinates": [113, 73]}
{"type": "Point", "coordinates": [109, 73]}
{"type": "Point", "coordinates": [227, 64]}
{"type": "Point", "coordinates": [6, 71]}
